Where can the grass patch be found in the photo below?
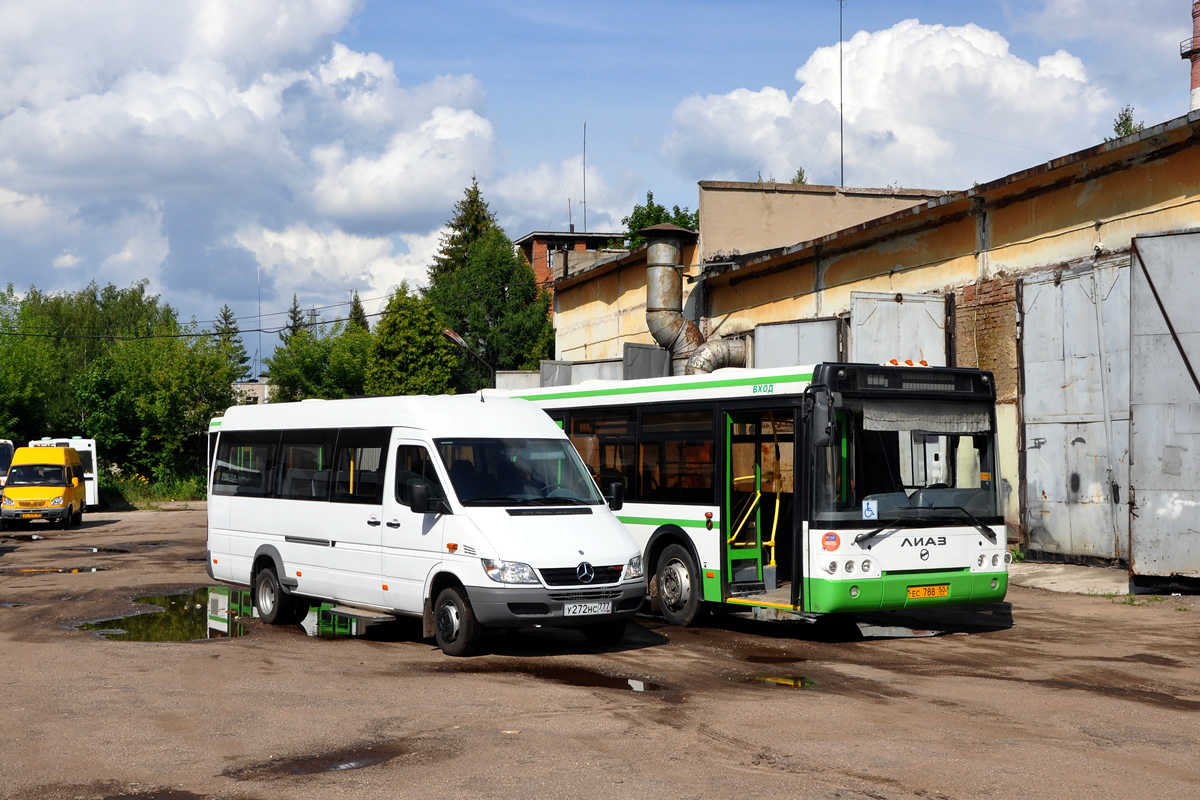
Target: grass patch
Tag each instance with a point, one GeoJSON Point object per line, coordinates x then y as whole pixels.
{"type": "Point", "coordinates": [125, 492]}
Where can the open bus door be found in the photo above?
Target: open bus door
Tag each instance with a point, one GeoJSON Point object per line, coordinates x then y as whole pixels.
{"type": "Point", "coordinates": [759, 505]}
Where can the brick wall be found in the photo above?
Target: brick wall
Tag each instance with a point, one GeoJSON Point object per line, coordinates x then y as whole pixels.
{"type": "Point", "coordinates": [985, 332]}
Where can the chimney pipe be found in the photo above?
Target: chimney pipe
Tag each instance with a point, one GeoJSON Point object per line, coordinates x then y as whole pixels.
{"type": "Point", "coordinates": [1190, 49]}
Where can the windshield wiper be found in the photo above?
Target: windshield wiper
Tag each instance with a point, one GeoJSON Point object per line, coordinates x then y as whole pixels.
{"type": "Point", "coordinates": [915, 522]}
{"type": "Point", "coordinates": [979, 526]}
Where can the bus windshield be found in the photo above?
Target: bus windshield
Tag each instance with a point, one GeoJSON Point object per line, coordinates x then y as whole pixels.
{"type": "Point", "coordinates": [905, 461]}
{"type": "Point", "coordinates": [511, 472]}
{"type": "Point", "coordinates": [36, 475]}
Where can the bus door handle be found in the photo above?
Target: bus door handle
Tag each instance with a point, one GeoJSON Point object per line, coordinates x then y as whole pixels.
{"type": "Point", "coordinates": [374, 523]}
{"type": "Point", "coordinates": [394, 523]}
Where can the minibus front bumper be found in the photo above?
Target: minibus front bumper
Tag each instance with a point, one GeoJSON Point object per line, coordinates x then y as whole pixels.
{"type": "Point", "coordinates": [52, 514]}
{"type": "Point", "coordinates": [526, 606]}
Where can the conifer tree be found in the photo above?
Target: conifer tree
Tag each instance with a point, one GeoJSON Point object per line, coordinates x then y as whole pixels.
{"type": "Point", "coordinates": [472, 219]}
{"type": "Point", "coordinates": [229, 343]}
{"type": "Point", "coordinates": [358, 314]}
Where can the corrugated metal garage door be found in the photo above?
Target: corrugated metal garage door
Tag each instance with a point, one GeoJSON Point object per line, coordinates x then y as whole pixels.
{"type": "Point", "coordinates": [1075, 350]}
{"type": "Point", "coordinates": [1165, 535]}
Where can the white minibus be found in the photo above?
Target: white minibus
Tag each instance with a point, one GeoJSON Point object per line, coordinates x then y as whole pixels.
{"type": "Point", "coordinates": [470, 511]}
{"type": "Point", "coordinates": [87, 456]}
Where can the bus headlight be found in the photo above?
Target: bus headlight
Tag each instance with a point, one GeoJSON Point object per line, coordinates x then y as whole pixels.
{"type": "Point", "coordinates": [995, 559]}
{"type": "Point", "coordinates": [633, 569]}
{"type": "Point", "coordinates": [56, 501]}
{"type": "Point", "coordinates": [832, 567]}
{"type": "Point", "coordinates": [980, 560]}
{"type": "Point", "coordinates": [849, 566]}
{"type": "Point", "coordinates": [509, 571]}
{"type": "Point", "coordinates": [866, 565]}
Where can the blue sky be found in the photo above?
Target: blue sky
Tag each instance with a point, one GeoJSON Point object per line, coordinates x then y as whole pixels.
{"type": "Point", "coordinates": [316, 147]}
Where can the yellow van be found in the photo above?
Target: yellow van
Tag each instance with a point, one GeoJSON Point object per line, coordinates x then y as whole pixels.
{"type": "Point", "coordinates": [44, 483]}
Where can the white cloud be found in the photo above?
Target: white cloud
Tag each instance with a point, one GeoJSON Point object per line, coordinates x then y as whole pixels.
{"type": "Point", "coordinates": [23, 213]}
{"type": "Point", "coordinates": [142, 253]}
{"type": "Point", "coordinates": [66, 260]}
{"type": "Point", "coordinates": [925, 106]}
{"type": "Point", "coordinates": [537, 198]}
{"type": "Point", "coordinates": [420, 168]}
{"type": "Point", "coordinates": [314, 264]}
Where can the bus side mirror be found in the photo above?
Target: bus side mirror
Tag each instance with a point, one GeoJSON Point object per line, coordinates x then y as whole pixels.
{"type": "Point", "coordinates": [822, 417]}
{"type": "Point", "coordinates": [616, 496]}
{"type": "Point", "coordinates": [423, 501]}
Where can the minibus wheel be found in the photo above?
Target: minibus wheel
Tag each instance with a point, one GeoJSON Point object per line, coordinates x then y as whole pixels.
{"type": "Point", "coordinates": [455, 626]}
{"type": "Point", "coordinates": [605, 634]}
{"type": "Point", "coordinates": [274, 607]}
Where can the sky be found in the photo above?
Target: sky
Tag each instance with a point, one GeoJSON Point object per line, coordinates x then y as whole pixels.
{"type": "Point", "coordinates": [241, 152]}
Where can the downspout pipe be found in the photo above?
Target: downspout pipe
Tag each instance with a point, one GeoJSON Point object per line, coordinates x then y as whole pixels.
{"type": "Point", "coordinates": [664, 294]}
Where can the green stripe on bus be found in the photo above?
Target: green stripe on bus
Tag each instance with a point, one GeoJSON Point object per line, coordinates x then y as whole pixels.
{"type": "Point", "coordinates": [683, 523]}
{"type": "Point", "coordinates": [674, 387]}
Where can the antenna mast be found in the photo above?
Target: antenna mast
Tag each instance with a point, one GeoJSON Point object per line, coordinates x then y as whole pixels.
{"type": "Point", "coordinates": [841, 99]}
{"type": "Point", "coordinates": [584, 203]}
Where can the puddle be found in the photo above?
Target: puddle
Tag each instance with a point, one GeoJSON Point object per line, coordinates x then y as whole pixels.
{"type": "Point", "coordinates": [782, 681]}
{"type": "Point", "coordinates": [109, 550]}
{"type": "Point", "coordinates": [211, 613]}
{"type": "Point", "coordinates": [13, 605]}
{"type": "Point", "coordinates": [157, 544]}
{"type": "Point", "coordinates": [761, 658]}
{"type": "Point", "coordinates": [22, 537]}
{"type": "Point", "coordinates": [338, 761]}
{"type": "Point", "coordinates": [48, 570]}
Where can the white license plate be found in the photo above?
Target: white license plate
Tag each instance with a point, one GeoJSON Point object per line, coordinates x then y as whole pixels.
{"type": "Point", "coordinates": [586, 609]}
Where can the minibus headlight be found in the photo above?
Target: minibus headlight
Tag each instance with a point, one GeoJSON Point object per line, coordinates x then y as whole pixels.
{"type": "Point", "coordinates": [56, 501]}
{"type": "Point", "coordinates": [8, 501]}
{"type": "Point", "coordinates": [509, 571]}
{"type": "Point", "coordinates": [633, 569]}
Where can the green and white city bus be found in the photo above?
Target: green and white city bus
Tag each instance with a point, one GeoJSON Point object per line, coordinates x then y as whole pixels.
{"type": "Point", "coordinates": [805, 490]}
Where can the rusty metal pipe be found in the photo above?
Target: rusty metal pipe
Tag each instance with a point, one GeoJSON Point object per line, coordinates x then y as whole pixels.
{"type": "Point", "coordinates": [715, 354]}
{"type": "Point", "coordinates": [664, 303]}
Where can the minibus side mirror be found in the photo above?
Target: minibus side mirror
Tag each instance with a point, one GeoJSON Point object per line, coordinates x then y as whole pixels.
{"type": "Point", "coordinates": [75, 481]}
{"type": "Point", "coordinates": [423, 501]}
{"type": "Point", "coordinates": [616, 496]}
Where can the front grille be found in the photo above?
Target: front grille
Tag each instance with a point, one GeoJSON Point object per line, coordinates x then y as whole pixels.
{"type": "Point", "coordinates": [585, 594]}
{"type": "Point", "coordinates": [569, 576]}
{"type": "Point", "coordinates": [31, 503]}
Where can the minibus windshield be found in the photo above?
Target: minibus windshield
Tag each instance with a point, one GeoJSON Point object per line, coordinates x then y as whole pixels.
{"type": "Point", "coordinates": [515, 472]}
{"type": "Point", "coordinates": [36, 475]}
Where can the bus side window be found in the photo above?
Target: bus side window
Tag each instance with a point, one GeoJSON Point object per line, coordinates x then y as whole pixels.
{"type": "Point", "coordinates": [606, 440]}
{"type": "Point", "coordinates": [359, 463]}
{"type": "Point", "coordinates": [414, 466]}
{"type": "Point", "coordinates": [245, 463]}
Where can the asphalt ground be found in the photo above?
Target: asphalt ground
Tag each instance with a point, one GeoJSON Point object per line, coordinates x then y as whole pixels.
{"type": "Point", "coordinates": [1051, 694]}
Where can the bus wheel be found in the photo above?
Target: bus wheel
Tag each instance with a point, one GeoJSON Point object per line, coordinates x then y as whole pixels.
{"type": "Point", "coordinates": [457, 630]}
{"type": "Point", "coordinates": [678, 583]}
{"type": "Point", "coordinates": [274, 607]}
{"type": "Point", "coordinates": [605, 634]}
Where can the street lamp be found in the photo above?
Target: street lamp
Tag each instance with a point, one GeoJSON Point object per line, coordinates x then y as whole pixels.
{"type": "Point", "coordinates": [458, 342]}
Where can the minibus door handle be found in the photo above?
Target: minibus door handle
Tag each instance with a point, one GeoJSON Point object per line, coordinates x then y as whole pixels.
{"type": "Point", "coordinates": [374, 523]}
{"type": "Point", "coordinates": [394, 523]}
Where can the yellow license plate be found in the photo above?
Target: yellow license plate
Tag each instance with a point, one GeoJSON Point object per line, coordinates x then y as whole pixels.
{"type": "Point", "coordinates": [919, 592]}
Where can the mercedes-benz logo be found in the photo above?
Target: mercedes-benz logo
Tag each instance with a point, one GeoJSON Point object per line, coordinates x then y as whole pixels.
{"type": "Point", "coordinates": [585, 572]}
{"type": "Point", "coordinates": [924, 555]}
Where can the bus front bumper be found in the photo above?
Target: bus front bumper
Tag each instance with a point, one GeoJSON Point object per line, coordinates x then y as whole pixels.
{"type": "Point", "coordinates": [520, 606]}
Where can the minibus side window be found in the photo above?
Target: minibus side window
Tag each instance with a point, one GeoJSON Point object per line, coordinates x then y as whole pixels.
{"type": "Point", "coordinates": [414, 466]}
{"type": "Point", "coordinates": [359, 462]}
{"type": "Point", "coordinates": [306, 464]}
{"type": "Point", "coordinates": [245, 463]}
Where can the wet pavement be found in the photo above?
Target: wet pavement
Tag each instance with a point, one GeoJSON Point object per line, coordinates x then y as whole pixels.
{"type": "Point", "coordinates": [1052, 694]}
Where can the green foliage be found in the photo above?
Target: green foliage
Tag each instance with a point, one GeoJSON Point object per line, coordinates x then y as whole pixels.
{"type": "Point", "coordinates": [326, 361]}
{"type": "Point", "coordinates": [1123, 125]}
{"type": "Point", "coordinates": [296, 321]}
{"type": "Point", "coordinates": [472, 219]}
{"type": "Point", "coordinates": [134, 490]}
{"type": "Point", "coordinates": [643, 216]}
{"type": "Point", "coordinates": [800, 179]}
{"type": "Point", "coordinates": [408, 354]}
{"type": "Point", "coordinates": [358, 314]}
{"type": "Point", "coordinates": [229, 342]}
{"type": "Point", "coordinates": [493, 302]}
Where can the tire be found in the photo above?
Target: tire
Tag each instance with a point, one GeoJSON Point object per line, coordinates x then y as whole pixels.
{"type": "Point", "coordinates": [458, 632]}
{"type": "Point", "coordinates": [677, 581]}
{"type": "Point", "coordinates": [605, 634]}
{"type": "Point", "coordinates": [274, 607]}
{"type": "Point", "coordinates": [78, 521]}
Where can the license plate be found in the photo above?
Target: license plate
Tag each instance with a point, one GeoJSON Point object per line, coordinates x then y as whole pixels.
{"type": "Point", "coordinates": [587, 609]}
{"type": "Point", "coordinates": [918, 592]}
{"type": "Point", "coordinates": [31, 515]}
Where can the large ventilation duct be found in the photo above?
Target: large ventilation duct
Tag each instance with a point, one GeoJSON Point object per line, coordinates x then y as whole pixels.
{"type": "Point", "coordinates": [664, 308]}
